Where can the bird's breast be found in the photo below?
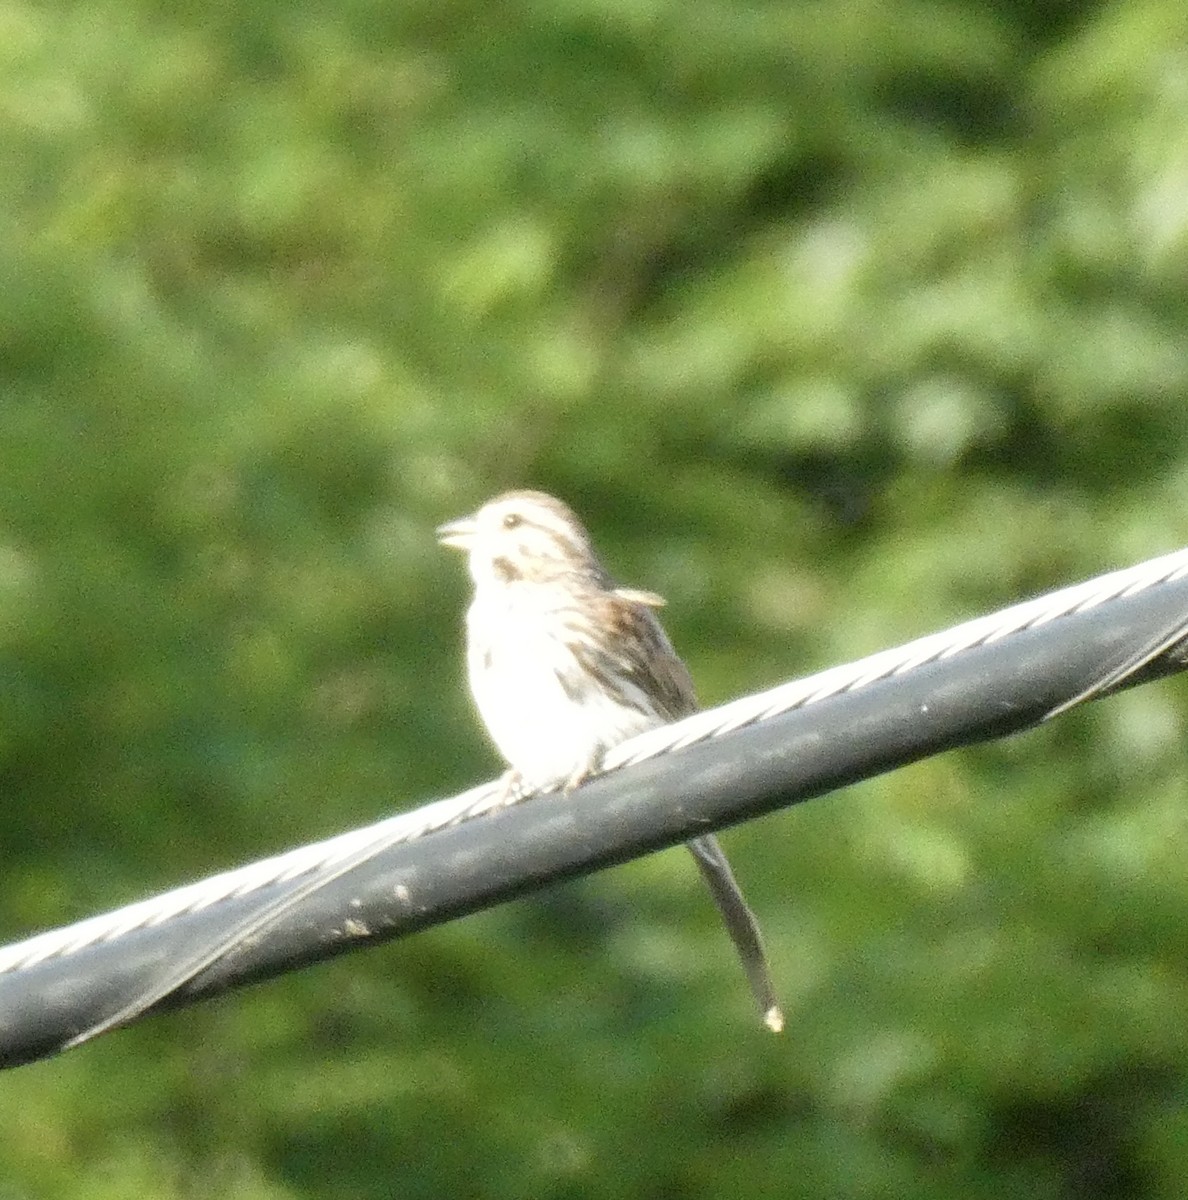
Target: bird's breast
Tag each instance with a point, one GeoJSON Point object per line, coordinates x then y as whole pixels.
{"type": "Point", "coordinates": [546, 713]}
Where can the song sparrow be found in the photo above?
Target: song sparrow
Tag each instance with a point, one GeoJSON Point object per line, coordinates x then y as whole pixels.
{"type": "Point", "coordinates": [563, 665]}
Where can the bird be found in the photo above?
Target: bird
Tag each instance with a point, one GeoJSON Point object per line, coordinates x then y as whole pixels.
{"type": "Point", "coordinates": [563, 665]}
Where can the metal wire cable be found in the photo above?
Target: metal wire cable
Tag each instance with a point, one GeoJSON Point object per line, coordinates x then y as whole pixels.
{"type": "Point", "coordinates": [329, 859]}
{"type": "Point", "coordinates": [899, 661]}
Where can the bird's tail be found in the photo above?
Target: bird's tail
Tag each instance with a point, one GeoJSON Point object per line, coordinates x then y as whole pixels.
{"type": "Point", "coordinates": [740, 924]}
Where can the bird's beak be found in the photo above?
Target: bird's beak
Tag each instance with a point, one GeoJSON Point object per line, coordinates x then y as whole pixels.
{"type": "Point", "coordinates": [459, 533]}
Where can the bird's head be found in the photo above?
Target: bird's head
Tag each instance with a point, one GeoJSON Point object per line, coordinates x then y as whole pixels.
{"type": "Point", "coordinates": [522, 536]}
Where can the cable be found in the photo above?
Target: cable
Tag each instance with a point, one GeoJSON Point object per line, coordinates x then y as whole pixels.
{"type": "Point", "coordinates": [981, 679]}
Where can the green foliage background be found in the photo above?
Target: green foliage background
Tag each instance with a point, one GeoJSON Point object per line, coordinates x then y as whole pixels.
{"type": "Point", "coordinates": [840, 321]}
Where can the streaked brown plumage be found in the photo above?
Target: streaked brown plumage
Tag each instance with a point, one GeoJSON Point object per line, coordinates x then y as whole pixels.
{"type": "Point", "coordinates": [564, 665]}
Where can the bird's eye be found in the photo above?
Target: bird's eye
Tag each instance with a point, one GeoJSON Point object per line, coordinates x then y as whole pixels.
{"type": "Point", "coordinates": [511, 520]}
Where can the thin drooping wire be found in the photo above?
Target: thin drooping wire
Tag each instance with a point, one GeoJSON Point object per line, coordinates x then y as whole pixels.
{"type": "Point", "coordinates": [243, 881]}
{"type": "Point", "coordinates": [1155, 649]}
{"type": "Point", "coordinates": [225, 944]}
{"type": "Point", "coordinates": [326, 861]}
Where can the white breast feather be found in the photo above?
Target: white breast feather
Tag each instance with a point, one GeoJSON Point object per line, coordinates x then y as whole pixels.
{"type": "Point", "coordinates": [515, 666]}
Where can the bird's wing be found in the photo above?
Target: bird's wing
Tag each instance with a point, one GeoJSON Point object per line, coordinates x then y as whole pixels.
{"type": "Point", "coordinates": [651, 599]}
{"type": "Point", "coordinates": [626, 650]}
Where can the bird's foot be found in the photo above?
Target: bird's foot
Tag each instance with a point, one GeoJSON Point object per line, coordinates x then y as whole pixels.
{"type": "Point", "coordinates": [581, 773]}
{"type": "Point", "coordinates": [511, 788]}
